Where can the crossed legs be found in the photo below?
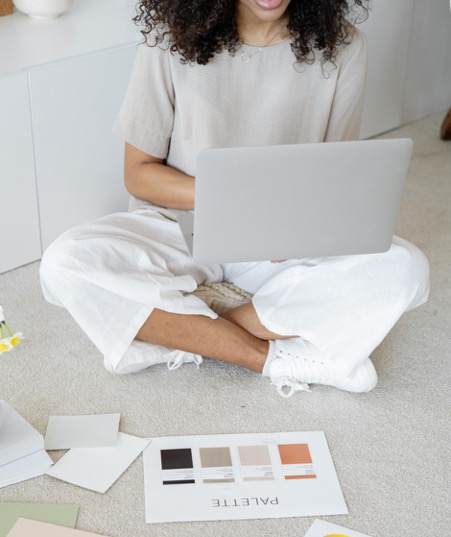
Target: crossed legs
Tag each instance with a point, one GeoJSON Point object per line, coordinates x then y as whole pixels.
{"type": "Point", "coordinates": [237, 336]}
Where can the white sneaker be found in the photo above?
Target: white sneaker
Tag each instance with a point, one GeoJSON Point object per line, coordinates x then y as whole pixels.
{"type": "Point", "coordinates": [177, 358]}
{"type": "Point", "coordinates": [173, 360]}
{"type": "Point", "coordinates": [296, 370]}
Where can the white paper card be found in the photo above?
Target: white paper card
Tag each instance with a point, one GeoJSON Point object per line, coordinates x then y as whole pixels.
{"type": "Point", "coordinates": [66, 432]}
{"type": "Point", "coordinates": [98, 468]}
{"type": "Point", "coordinates": [243, 476]}
{"type": "Point", "coordinates": [320, 528]}
{"type": "Point", "coordinates": [24, 468]}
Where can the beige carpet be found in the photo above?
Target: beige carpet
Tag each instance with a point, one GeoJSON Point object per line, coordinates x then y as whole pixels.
{"type": "Point", "coordinates": [391, 447]}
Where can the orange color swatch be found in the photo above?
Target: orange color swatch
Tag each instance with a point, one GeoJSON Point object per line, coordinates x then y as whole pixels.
{"type": "Point", "coordinates": [296, 461]}
{"type": "Point", "coordinates": [295, 454]}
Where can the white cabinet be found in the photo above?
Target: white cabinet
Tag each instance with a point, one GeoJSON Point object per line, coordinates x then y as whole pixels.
{"type": "Point", "coordinates": [19, 221]}
{"type": "Point", "coordinates": [79, 163]}
{"type": "Point", "coordinates": [61, 84]}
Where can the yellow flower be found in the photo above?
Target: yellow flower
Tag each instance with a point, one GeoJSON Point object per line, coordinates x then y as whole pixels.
{"type": "Point", "coordinates": [15, 339]}
{"type": "Point", "coordinates": [11, 340]}
{"type": "Point", "coordinates": [8, 343]}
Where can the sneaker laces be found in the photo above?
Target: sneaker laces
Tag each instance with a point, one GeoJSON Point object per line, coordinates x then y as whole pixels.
{"type": "Point", "coordinates": [305, 367]}
{"type": "Point", "coordinates": [299, 371]}
{"type": "Point", "coordinates": [313, 371]}
{"type": "Point", "coordinates": [180, 357]}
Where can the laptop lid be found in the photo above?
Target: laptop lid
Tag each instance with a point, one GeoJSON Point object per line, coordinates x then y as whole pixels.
{"type": "Point", "coordinates": [296, 201]}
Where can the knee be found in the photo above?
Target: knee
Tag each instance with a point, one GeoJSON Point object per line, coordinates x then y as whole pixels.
{"type": "Point", "coordinates": [56, 262]}
{"type": "Point", "coordinates": [414, 267]}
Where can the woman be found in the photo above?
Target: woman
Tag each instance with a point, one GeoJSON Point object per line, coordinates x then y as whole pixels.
{"type": "Point", "coordinates": [217, 73]}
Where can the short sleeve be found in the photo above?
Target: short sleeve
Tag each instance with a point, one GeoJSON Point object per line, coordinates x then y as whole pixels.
{"type": "Point", "coordinates": [346, 113]}
{"type": "Point", "coordinates": [146, 117]}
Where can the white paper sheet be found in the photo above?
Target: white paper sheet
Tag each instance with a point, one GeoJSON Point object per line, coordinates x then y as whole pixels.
{"type": "Point", "coordinates": [25, 468]}
{"type": "Point", "coordinates": [242, 476]}
{"type": "Point", "coordinates": [66, 432]}
{"type": "Point", "coordinates": [98, 468]}
{"type": "Point", "coordinates": [320, 528]}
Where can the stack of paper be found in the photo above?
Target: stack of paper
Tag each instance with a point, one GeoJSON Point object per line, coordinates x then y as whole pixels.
{"type": "Point", "coordinates": [22, 453]}
{"type": "Point", "coordinates": [98, 454]}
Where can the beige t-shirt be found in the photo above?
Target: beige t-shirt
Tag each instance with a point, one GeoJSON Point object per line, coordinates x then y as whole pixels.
{"type": "Point", "coordinates": [171, 110]}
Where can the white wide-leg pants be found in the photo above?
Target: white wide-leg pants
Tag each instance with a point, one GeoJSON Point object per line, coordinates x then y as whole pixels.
{"type": "Point", "coordinates": [112, 273]}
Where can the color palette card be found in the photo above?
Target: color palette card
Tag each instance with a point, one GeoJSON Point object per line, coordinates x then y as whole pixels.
{"type": "Point", "coordinates": [98, 468]}
{"type": "Point", "coordinates": [243, 476]}
{"type": "Point", "coordinates": [32, 528]}
{"type": "Point", "coordinates": [320, 528]}
{"type": "Point", "coordinates": [66, 432]}
{"type": "Point", "coordinates": [63, 515]}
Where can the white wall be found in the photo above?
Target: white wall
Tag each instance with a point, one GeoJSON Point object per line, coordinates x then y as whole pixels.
{"type": "Point", "coordinates": [409, 53]}
{"type": "Point", "coordinates": [427, 88]}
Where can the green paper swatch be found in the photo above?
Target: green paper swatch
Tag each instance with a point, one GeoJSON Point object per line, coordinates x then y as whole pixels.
{"type": "Point", "coordinates": [61, 515]}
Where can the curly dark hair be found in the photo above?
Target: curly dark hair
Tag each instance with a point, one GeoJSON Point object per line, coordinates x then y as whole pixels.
{"type": "Point", "coordinates": [199, 29]}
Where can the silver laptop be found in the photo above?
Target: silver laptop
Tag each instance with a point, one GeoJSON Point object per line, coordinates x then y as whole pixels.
{"type": "Point", "coordinates": [296, 201]}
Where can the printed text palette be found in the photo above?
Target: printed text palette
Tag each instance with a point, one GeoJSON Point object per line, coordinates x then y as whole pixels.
{"type": "Point", "coordinates": [240, 476]}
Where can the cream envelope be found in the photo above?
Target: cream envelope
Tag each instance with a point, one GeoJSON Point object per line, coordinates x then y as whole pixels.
{"type": "Point", "coordinates": [26, 528]}
{"type": "Point", "coordinates": [320, 528]}
{"type": "Point", "coordinates": [98, 468]}
{"type": "Point", "coordinates": [25, 468]}
{"type": "Point", "coordinates": [18, 438]}
{"type": "Point", "coordinates": [66, 432]}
